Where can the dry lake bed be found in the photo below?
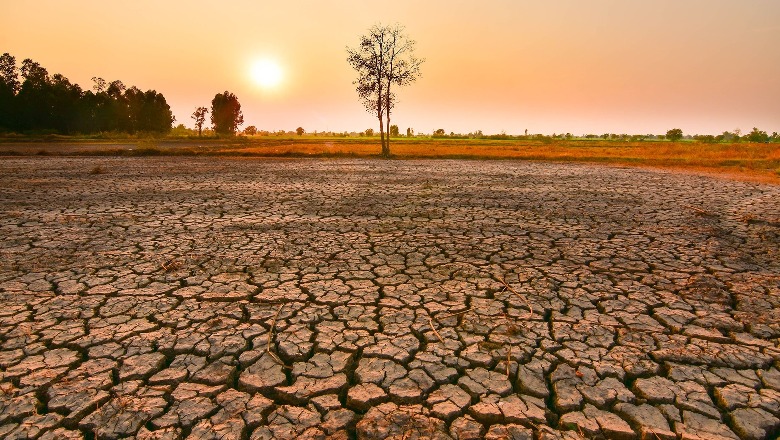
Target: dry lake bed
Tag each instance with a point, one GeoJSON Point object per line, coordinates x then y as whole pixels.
{"type": "Point", "coordinates": [168, 298]}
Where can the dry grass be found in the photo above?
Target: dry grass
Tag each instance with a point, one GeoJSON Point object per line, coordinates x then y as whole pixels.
{"type": "Point", "coordinates": [741, 161]}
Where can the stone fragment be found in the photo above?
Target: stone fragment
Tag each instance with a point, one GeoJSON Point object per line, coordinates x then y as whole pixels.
{"type": "Point", "coordinates": [610, 425]}
{"type": "Point", "coordinates": [230, 429]}
{"type": "Point", "coordinates": [263, 375]}
{"type": "Point", "coordinates": [509, 432]}
{"type": "Point", "coordinates": [531, 381]}
{"type": "Point", "coordinates": [411, 388]}
{"type": "Point", "coordinates": [466, 428]}
{"type": "Point", "coordinates": [124, 415]}
{"type": "Point", "coordinates": [770, 378]}
{"type": "Point", "coordinates": [219, 372]}
{"type": "Point", "coordinates": [525, 410]}
{"type": "Point", "coordinates": [435, 367]}
{"type": "Point", "coordinates": [323, 365]}
{"type": "Point", "coordinates": [306, 387]}
{"type": "Point", "coordinates": [487, 411]}
{"type": "Point", "coordinates": [606, 392]}
{"type": "Point", "coordinates": [338, 420]}
{"type": "Point", "coordinates": [61, 434]}
{"type": "Point", "coordinates": [290, 422]}
{"type": "Point", "coordinates": [693, 396]}
{"type": "Point", "coordinates": [382, 372]}
{"type": "Point", "coordinates": [651, 422]}
{"type": "Point", "coordinates": [363, 396]}
{"type": "Point", "coordinates": [171, 433]}
{"type": "Point", "coordinates": [18, 407]}
{"type": "Point", "coordinates": [479, 381]}
{"type": "Point", "coordinates": [448, 401]}
{"type": "Point", "coordinates": [547, 433]}
{"type": "Point", "coordinates": [409, 421]}
{"type": "Point", "coordinates": [566, 397]}
{"type": "Point", "coordinates": [748, 378]}
{"type": "Point", "coordinates": [398, 348]}
{"type": "Point", "coordinates": [699, 427]}
{"type": "Point", "coordinates": [78, 397]}
{"type": "Point", "coordinates": [141, 366]}
{"type": "Point", "coordinates": [185, 413]}
{"type": "Point", "coordinates": [733, 396]}
{"type": "Point", "coordinates": [33, 426]}
{"type": "Point", "coordinates": [327, 402]}
{"type": "Point", "coordinates": [577, 421]}
{"type": "Point", "coordinates": [754, 423]}
{"type": "Point", "coordinates": [655, 389]}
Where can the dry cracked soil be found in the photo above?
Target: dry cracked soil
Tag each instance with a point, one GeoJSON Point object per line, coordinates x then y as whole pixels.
{"type": "Point", "coordinates": [191, 298]}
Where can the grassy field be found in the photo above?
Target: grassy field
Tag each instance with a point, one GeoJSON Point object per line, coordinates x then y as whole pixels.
{"type": "Point", "coordinates": [742, 161]}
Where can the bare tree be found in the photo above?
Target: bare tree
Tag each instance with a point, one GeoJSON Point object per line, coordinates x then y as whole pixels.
{"type": "Point", "coordinates": [384, 58]}
{"type": "Point", "coordinates": [199, 115]}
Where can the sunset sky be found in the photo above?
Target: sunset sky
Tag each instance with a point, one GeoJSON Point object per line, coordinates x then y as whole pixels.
{"type": "Point", "coordinates": [595, 66]}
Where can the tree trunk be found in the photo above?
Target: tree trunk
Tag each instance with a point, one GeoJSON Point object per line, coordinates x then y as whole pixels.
{"type": "Point", "coordinates": [379, 107]}
{"type": "Point", "coordinates": [386, 152]}
{"type": "Point", "coordinates": [385, 148]}
{"type": "Point", "coordinates": [381, 124]}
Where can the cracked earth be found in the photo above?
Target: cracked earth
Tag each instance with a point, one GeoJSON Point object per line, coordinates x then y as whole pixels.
{"type": "Point", "coordinates": [189, 298]}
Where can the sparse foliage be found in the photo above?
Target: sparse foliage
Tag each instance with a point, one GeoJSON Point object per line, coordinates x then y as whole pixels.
{"type": "Point", "coordinates": [383, 59]}
{"type": "Point", "coordinates": [199, 115]}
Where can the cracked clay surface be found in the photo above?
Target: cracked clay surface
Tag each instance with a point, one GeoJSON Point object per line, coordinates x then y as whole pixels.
{"type": "Point", "coordinates": [193, 298]}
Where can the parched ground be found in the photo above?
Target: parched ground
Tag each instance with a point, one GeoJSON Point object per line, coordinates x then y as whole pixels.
{"type": "Point", "coordinates": [256, 299]}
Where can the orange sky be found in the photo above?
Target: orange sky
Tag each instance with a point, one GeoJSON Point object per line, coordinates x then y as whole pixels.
{"type": "Point", "coordinates": [576, 66]}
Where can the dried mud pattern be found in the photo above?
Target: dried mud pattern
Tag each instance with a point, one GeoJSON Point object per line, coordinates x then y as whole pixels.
{"type": "Point", "coordinates": [279, 299]}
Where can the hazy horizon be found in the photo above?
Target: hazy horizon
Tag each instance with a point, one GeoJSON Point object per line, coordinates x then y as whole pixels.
{"type": "Point", "coordinates": [567, 66]}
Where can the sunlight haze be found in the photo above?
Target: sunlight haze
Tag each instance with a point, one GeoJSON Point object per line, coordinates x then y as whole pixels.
{"type": "Point", "coordinates": [600, 66]}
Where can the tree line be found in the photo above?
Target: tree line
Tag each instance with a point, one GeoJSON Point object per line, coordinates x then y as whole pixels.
{"type": "Point", "coordinates": [32, 100]}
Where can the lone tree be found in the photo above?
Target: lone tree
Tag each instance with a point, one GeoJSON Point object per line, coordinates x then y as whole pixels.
{"type": "Point", "coordinates": [300, 131]}
{"type": "Point", "coordinates": [226, 113]}
{"type": "Point", "coordinates": [199, 115]}
{"type": "Point", "coordinates": [383, 59]}
{"type": "Point", "coordinates": [674, 134]}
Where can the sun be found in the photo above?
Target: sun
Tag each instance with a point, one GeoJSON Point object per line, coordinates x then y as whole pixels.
{"type": "Point", "coordinates": [266, 73]}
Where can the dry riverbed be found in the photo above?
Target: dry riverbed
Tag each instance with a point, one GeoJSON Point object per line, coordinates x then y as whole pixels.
{"type": "Point", "coordinates": [205, 298]}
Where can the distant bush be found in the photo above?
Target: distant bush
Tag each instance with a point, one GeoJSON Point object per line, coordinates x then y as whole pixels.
{"type": "Point", "coordinates": [757, 136]}
{"type": "Point", "coordinates": [674, 134]}
{"type": "Point", "coordinates": [706, 138]}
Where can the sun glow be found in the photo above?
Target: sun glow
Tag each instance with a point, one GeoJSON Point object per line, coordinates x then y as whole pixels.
{"type": "Point", "coordinates": [267, 74]}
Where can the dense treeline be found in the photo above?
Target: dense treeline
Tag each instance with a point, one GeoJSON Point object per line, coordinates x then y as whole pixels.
{"type": "Point", "coordinates": [31, 100]}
